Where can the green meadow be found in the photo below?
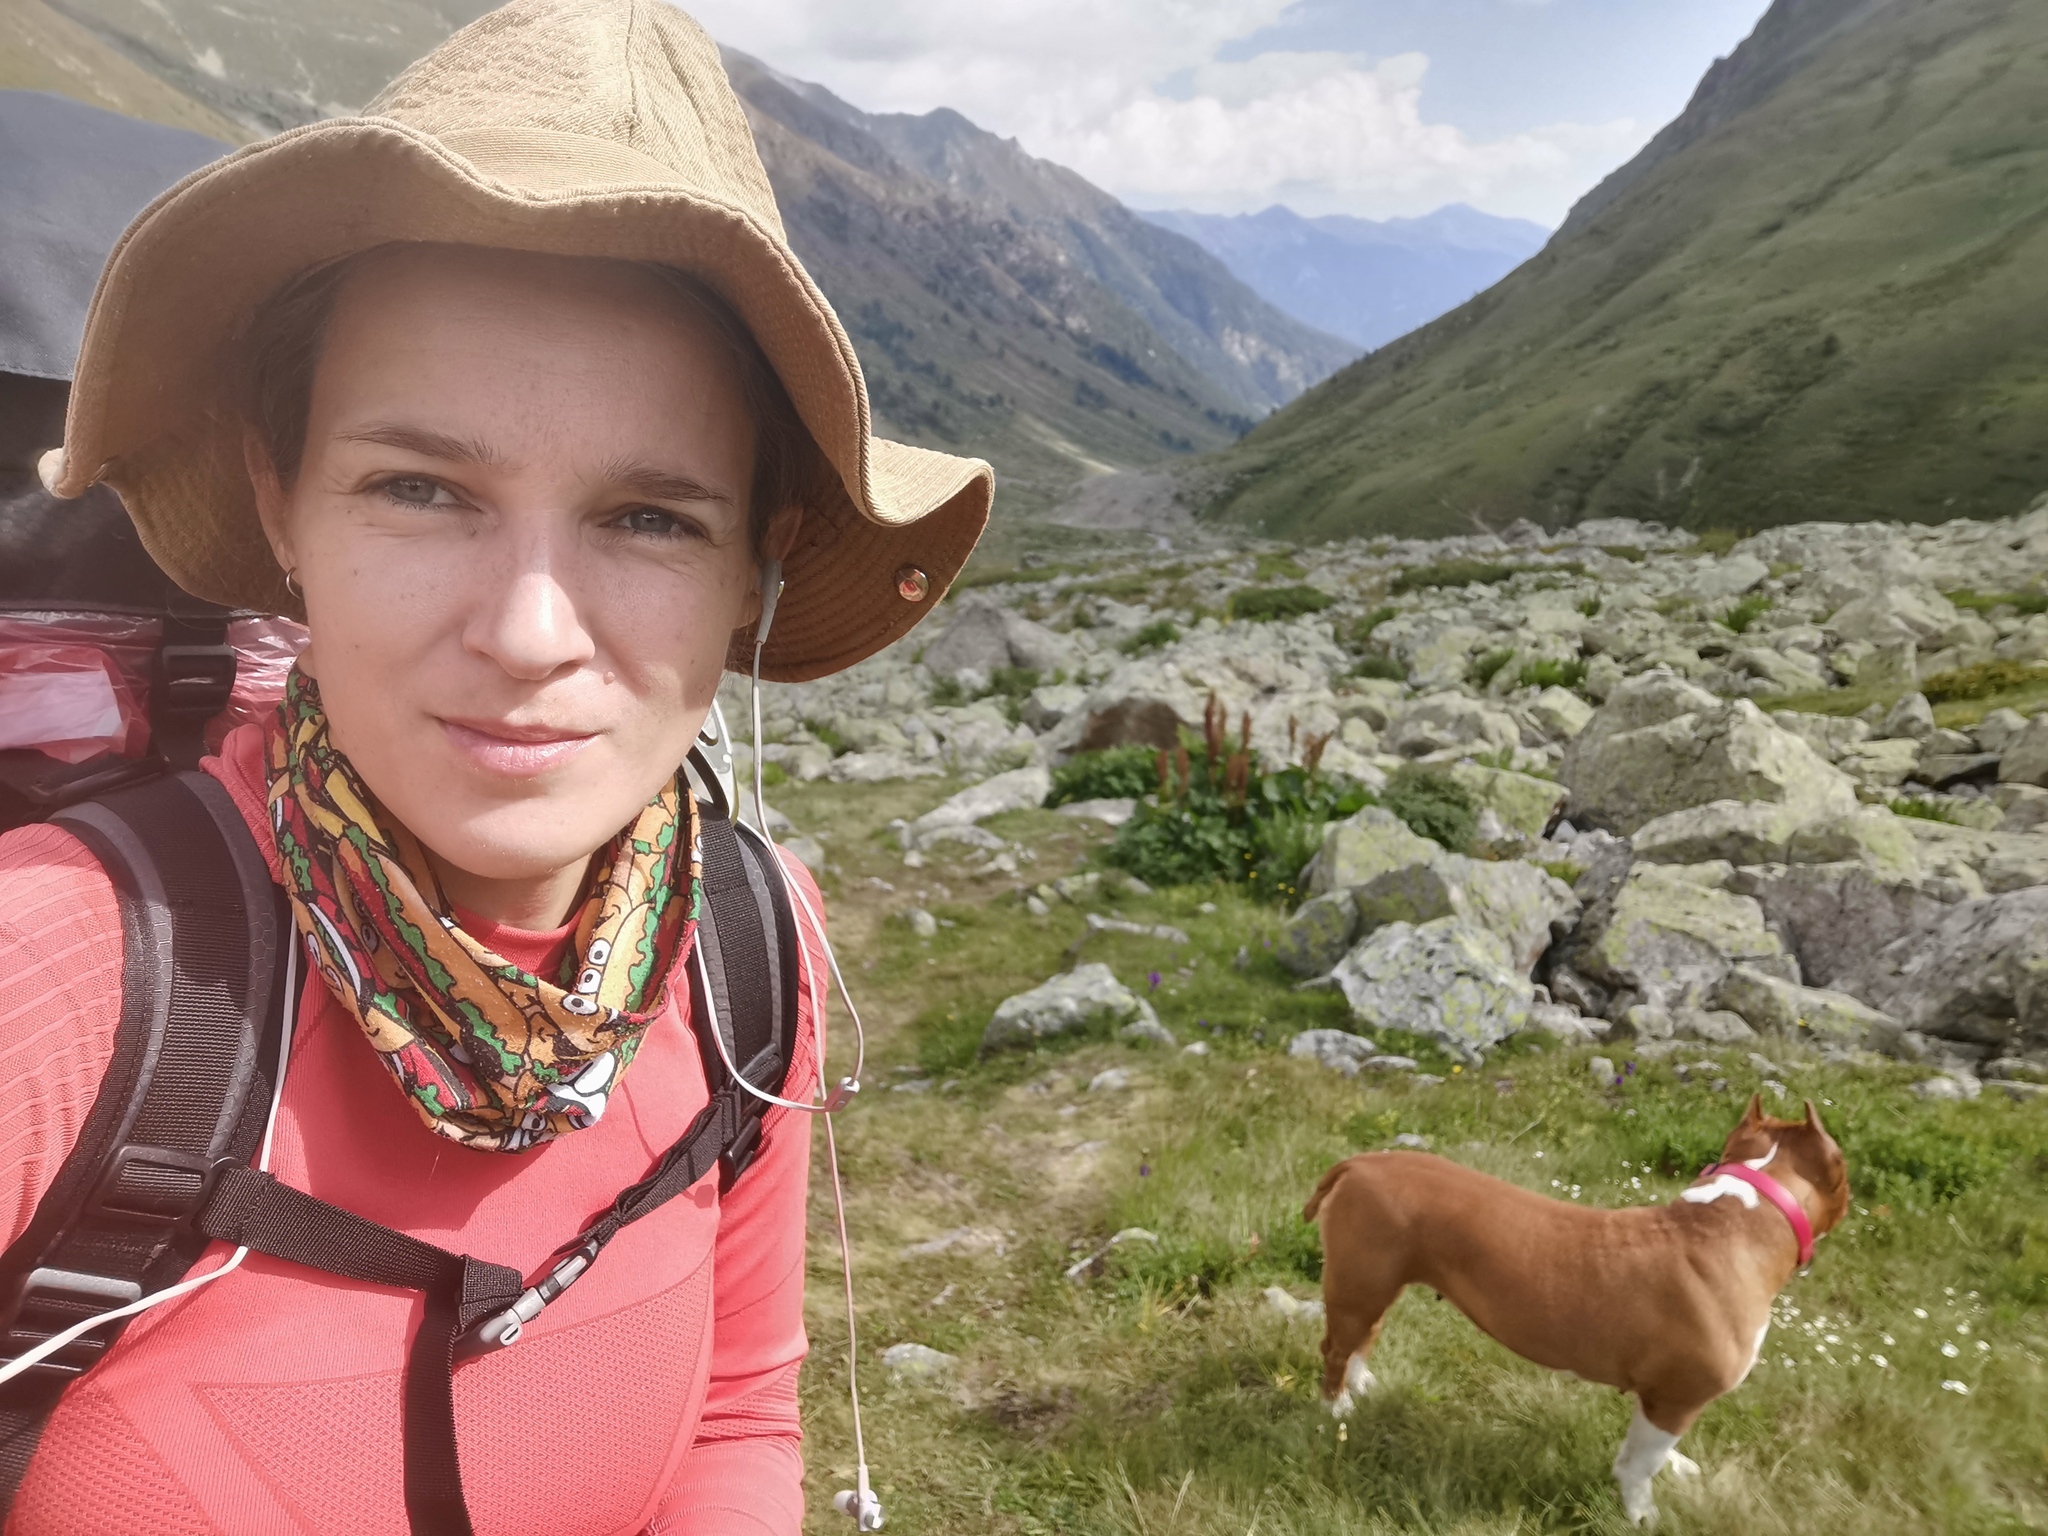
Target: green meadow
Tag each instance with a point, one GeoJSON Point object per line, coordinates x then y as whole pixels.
{"type": "Point", "coordinates": [1162, 1390]}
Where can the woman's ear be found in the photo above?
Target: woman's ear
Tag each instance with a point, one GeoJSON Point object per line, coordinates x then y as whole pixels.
{"type": "Point", "coordinates": [776, 544]}
{"type": "Point", "coordinates": [270, 499]}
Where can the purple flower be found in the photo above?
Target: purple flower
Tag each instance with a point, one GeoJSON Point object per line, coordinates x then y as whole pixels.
{"type": "Point", "coordinates": [1144, 1170]}
{"type": "Point", "coordinates": [1153, 977]}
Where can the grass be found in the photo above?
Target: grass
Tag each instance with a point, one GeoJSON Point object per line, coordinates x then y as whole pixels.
{"type": "Point", "coordinates": [1553, 673]}
{"type": "Point", "coordinates": [1717, 541]}
{"type": "Point", "coordinates": [1163, 1395]}
{"type": "Point", "coordinates": [1453, 573]}
{"type": "Point", "coordinates": [1485, 668]}
{"type": "Point", "coordinates": [1987, 680]}
{"type": "Point", "coordinates": [2020, 603]}
{"type": "Point", "coordinates": [1380, 666]}
{"type": "Point", "coordinates": [1744, 613]}
{"type": "Point", "coordinates": [1262, 605]}
{"type": "Point", "coordinates": [1154, 636]}
{"type": "Point", "coordinates": [1922, 809]}
{"type": "Point", "coordinates": [1362, 632]}
{"type": "Point", "coordinates": [1279, 568]}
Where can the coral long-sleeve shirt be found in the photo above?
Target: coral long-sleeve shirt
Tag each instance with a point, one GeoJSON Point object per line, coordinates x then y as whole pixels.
{"type": "Point", "coordinates": [657, 1395]}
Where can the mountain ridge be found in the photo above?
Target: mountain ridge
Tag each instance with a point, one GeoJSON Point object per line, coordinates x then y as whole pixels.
{"type": "Point", "coordinates": [1368, 281]}
{"type": "Point", "coordinates": [1810, 297]}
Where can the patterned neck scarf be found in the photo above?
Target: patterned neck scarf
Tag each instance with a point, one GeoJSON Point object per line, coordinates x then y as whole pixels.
{"type": "Point", "coordinates": [489, 1055]}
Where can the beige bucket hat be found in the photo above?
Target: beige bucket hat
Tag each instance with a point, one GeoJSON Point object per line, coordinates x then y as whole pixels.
{"type": "Point", "coordinates": [572, 127]}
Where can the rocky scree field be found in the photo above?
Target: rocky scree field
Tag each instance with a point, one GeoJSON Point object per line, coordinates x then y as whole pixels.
{"type": "Point", "coordinates": [1545, 855]}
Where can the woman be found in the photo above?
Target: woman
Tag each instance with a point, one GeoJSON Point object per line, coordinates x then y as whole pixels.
{"type": "Point", "coordinates": [508, 387]}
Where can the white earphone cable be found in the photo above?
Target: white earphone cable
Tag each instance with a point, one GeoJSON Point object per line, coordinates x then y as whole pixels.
{"type": "Point", "coordinates": [190, 1283]}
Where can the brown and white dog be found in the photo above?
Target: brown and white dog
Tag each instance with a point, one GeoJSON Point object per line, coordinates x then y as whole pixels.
{"type": "Point", "coordinates": [1668, 1302]}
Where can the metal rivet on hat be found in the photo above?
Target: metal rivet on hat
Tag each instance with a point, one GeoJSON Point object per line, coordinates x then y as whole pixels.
{"type": "Point", "coordinates": [912, 584]}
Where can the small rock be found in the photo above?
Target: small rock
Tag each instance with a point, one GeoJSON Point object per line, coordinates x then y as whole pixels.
{"type": "Point", "coordinates": [1085, 997]}
{"type": "Point", "coordinates": [1412, 1142]}
{"type": "Point", "coordinates": [1197, 1048]}
{"type": "Point", "coordinates": [922, 923]}
{"type": "Point", "coordinates": [1112, 1079]}
{"type": "Point", "coordinates": [1082, 1269]}
{"type": "Point", "coordinates": [1602, 1070]}
{"type": "Point", "coordinates": [1036, 907]}
{"type": "Point", "coordinates": [1911, 717]}
{"type": "Point", "coordinates": [1147, 1032]}
{"type": "Point", "coordinates": [963, 1240]}
{"type": "Point", "coordinates": [1764, 1064]}
{"type": "Point", "coordinates": [916, 1362]}
{"type": "Point", "coordinates": [1113, 813]}
{"type": "Point", "coordinates": [1390, 1064]}
{"type": "Point", "coordinates": [1950, 1085]}
{"type": "Point", "coordinates": [1337, 1049]}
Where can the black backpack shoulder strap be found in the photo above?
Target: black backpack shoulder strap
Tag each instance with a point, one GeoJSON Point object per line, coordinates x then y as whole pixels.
{"type": "Point", "coordinates": [187, 1091]}
{"type": "Point", "coordinates": [747, 939]}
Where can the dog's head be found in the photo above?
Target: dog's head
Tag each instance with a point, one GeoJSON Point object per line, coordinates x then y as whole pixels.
{"type": "Point", "coordinates": [1802, 1148]}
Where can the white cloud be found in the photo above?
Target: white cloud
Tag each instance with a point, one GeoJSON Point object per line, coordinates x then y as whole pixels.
{"type": "Point", "coordinates": [1132, 94]}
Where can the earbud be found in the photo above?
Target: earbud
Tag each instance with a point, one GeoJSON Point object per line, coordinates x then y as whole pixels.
{"type": "Point", "coordinates": [771, 592]}
{"type": "Point", "coordinates": [861, 1504]}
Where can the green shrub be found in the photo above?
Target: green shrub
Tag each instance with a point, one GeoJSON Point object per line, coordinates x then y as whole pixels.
{"type": "Point", "coordinates": [1483, 670]}
{"type": "Point", "coordinates": [1261, 605]}
{"type": "Point", "coordinates": [1215, 814]}
{"type": "Point", "coordinates": [1552, 673]}
{"type": "Point", "coordinates": [1380, 666]}
{"type": "Point", "coordinates": [1116, 774]}
{"type": "Point", "coordinates": [1982, 681]}
{"type": "Point", "coordinates": [1628, 552]}
{"type": "Point", "coordinates": [1154, 636]}
{"type": "Point", "coordinates": [1746, 612]}
{"type": "Point", "coordinates": [772, 775]}
{"type": "Point", "coordinates": [947, 692]}
{"type": "Point", "coordinates": [1453, 573]}
{"type": "Point", "coordinates": [1590, 607]}
{"type": "Point", "coordinates": [1919, 1157]}
{"type": "Point", "coordinates": [1434, 805]}
{"type": "Point", "coordinates": [1361, 632]}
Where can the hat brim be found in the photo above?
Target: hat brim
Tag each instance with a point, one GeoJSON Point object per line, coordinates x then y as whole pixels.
{"type": "Point", "coordinates": [152, 415]}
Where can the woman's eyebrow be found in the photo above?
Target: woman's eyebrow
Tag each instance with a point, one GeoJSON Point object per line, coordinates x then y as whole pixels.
{"type": "Point", "coordinates": [425, 442]}
{"type": "Point", "coordinates": [660, 484]}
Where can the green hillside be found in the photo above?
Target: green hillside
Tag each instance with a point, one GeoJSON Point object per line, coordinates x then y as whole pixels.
{"type": "Point", "coordinates": [1821, 293]}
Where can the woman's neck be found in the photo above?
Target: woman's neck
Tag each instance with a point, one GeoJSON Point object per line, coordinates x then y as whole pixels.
{"type": "Point", "coordinates": [535, 903]}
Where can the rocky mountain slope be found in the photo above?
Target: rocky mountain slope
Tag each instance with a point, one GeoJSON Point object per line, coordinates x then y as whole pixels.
{"type": "Point", "coordinates": [1819, 293]}
{"type": "Point", "coordinates": [1000, 305]}
{"type": "Point", "coordinates": [1790, 787]}
{"type": "Point", "coordinates": [1364, 280]}
{"type": "Point", "coordinates": [1003, 306]}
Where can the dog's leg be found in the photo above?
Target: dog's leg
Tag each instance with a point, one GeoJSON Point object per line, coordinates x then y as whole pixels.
{"type": "Point", "coordinates": [1641, 1455]}
{"type": "Point", "coordinates": [1346, 1344]}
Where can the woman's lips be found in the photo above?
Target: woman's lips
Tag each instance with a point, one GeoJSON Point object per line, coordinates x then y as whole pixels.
{"type": "Point", "coordinates": [514, 751]}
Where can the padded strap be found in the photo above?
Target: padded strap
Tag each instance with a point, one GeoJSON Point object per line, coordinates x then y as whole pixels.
{"type": "Point", "coordinates": [185, 1092]}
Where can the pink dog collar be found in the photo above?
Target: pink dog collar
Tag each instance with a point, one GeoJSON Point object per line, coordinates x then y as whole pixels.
{"type": "Point", "coordinates": [1778, 1195]}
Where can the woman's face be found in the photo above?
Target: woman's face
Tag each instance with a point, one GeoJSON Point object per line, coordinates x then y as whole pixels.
{"type": "Point", "coordinates": [520, 525]}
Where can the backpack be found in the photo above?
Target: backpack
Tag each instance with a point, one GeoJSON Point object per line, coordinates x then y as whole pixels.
{"type": "Point", "coordinates": [162, 1167]}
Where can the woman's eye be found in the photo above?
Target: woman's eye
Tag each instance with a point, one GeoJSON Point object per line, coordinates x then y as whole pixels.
{"type": "Point", "coordinates": [654, 521]}
{"type": "Point", "coordinates": [414, 491]}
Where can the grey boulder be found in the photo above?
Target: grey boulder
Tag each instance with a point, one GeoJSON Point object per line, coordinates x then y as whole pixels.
{"type": "Point", "coordinates": [1836, 916]}
{"type": "Point", "coordinates": [1773, 1005]}
{"type": "Point", "coordinates": [1368, 844]}
{"type": "Point", "coordinates": [1337, 1049]}
{"type": "Point", "coordinates": [1516, 902]}
{"type": "Point", "coordinates": [1448, 981]}
{"type": "Point", "coordinates": [1979, 974]}
{"type": "Point", "coordinates": [1086, 998]}
{"type": "Point", "coordinates": [1668, 934]}
{"type": "Point", "coordinates": [1317, 936]}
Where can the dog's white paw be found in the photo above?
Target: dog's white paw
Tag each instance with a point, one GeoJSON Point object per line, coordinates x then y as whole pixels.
{"type": "Point", "coordinates": [1681, 1466]}
{"type": "Point", "coordinates": [1341, 1406]}
{"type": "Point", "coordinates": [1358, 1379]}
{"type": "Point", "coordinates": [1636, 1502]}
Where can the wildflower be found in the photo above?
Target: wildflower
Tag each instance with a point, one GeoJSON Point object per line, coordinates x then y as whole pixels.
{"type": "Point", "coordinates": [1153, 977]}
{"type": "Point", "coordinates": [1888, 1338]}
{"type": "Point", "coordinates": [1880, 1362]}
{"type": "Point", "coordinates": [1956, 1387]}
{"type": "Point", "coordinates": [1921, 1313]}
{"type": "Point", "coordinates": [1986, 1348]}
{"type": "Point", "coordinates": [1950, 1350]}
{"type": "Point", "coordinates": [1834, 1338]}
{"type": "Point", "coordinates": [1963, 1328]}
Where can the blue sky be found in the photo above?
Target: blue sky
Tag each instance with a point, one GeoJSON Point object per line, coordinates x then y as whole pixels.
{"type": "Point", "coordinates": [1367, 107]}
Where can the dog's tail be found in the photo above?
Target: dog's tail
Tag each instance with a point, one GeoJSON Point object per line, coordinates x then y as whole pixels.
{"type": "Point", "coordinates": [1323, 1188]}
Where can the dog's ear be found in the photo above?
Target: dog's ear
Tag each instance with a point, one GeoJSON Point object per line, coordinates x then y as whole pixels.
{"type": "Point", "coordinates": [1813, 1119]}
{"type": "Point", "coordinates": [1754, 1115]}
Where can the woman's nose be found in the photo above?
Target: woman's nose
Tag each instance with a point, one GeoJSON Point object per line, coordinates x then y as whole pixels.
{"type": "Point", "coordinates": [529, 624]}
